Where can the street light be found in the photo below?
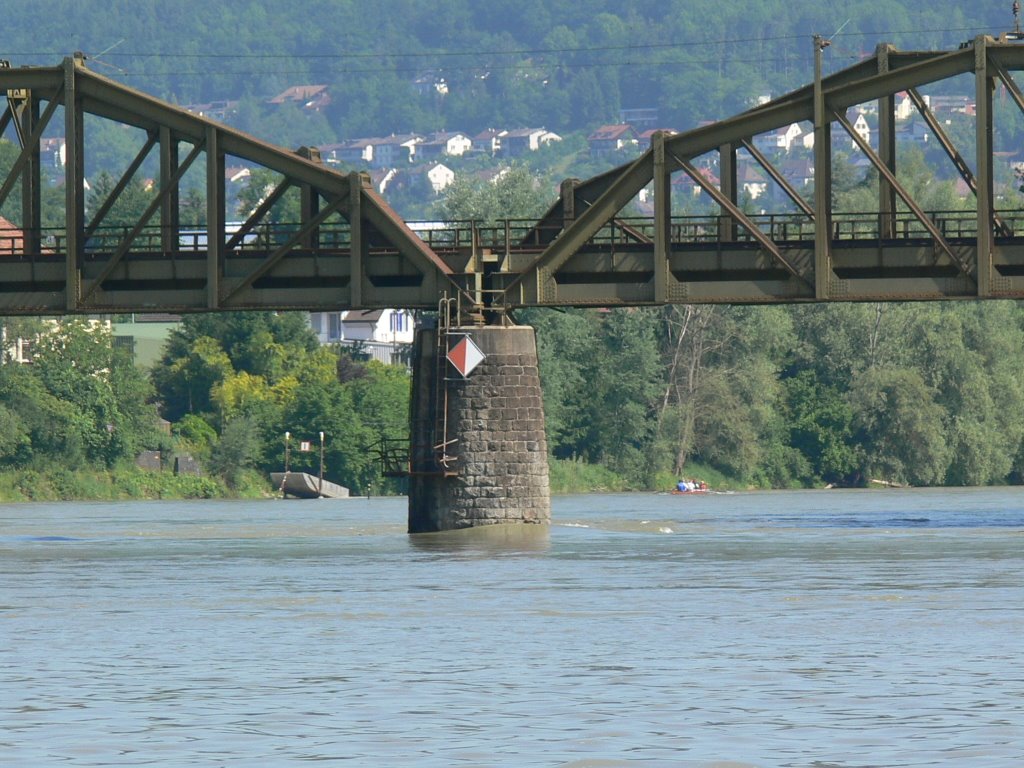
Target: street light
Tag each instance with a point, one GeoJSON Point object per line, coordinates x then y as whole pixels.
{"type": "Point", "coordinates": [320, 488]}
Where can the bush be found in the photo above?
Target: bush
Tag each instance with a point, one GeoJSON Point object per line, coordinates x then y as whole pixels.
{"type": "Point", "coordinates": [575, 476]}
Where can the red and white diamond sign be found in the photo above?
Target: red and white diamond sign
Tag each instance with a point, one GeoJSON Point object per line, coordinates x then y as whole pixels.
{"type": "Point", "coordinates": [465, 356]}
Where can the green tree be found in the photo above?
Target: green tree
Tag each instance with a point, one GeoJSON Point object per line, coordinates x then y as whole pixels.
{"type": "Point", "coordinates": [900, 426]}
{"type": "Point", "coordinates": [516, 194]}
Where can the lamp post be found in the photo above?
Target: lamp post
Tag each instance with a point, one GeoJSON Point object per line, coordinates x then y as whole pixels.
{"type": "Point", "coordinates": [287, 449]}
{"type": "Point", "coordinates": [320, 488]}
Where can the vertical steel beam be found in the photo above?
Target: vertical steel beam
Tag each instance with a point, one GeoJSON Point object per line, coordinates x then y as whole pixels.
{"type": "Point", "coordinates": [170, 212]}
{"type": "Point", "coordinates": [357, 244]}
{"type": "Point", "coordinates": [309, 202]}
{"type": "Point", "coordinates": [74, 185]}
{"type": "Point", "coordinates": [822, 182]}
{"type": "Point", "coordinates": [662, 183]}
{"type": "Point", "coordinates": [31, 207]}
{"type": "Point", "coordinates": [886, 150]}
{"type": "Point", "coordinates": [567, 193]}
{"type": "Point", "coordinates": [727, 230]}
{"type": "Point", "coordinates": [215, 208]}
{"type": "Point", "coordinates": [983, 130]}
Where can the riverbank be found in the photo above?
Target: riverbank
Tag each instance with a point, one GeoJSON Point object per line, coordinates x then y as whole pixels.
{"type": "Point", "coordinates": [570, 477]}
{"type": "Point", "coordinates": [120, 485]}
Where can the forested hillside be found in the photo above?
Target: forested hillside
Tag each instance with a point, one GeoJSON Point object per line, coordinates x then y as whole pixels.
{"type": "Point", "coordinates": [562, 65]}
{"type": "Point", "coordinates": [927, 394]}
{"type": "Point", "coordinates": [768, 396]}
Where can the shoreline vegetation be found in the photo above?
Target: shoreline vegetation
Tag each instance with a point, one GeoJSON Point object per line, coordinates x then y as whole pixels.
{"type": "Point", "coordinates": [568, 476]}
{"type": "Point", "coordinates": [123, 484]}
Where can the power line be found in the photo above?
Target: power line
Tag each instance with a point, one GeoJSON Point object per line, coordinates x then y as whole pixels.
{"type": "Point", "coordinates": [492, 52]}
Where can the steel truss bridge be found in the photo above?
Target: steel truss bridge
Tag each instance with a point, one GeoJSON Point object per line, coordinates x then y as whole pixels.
{"type": "Point", "coordinates": [349, 250]}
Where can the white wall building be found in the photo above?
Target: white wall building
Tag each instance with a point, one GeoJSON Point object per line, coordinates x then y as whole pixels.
{"type": "Point", "coordinates": [381, 334]}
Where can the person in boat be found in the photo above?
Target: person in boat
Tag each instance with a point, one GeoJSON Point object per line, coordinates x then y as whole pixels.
{"type": "Point", "coordinates": [688, 486]}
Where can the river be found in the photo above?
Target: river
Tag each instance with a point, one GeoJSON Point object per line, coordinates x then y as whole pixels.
{"type": "Point", "coordinates": [816, 628]}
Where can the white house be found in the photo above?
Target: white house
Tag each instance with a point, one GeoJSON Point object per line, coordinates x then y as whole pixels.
{"type": "Point", "coordinates": [395, 150]}
{"type": "Point", "coordinates": [445, 143]}
{"type": "Point", "coordinates": [382, 334]}
{"type": "Point", "coordinates": [519, 142]}
{"type": "Point", "coordinates": [489, 140]}
{"type": "Point", "coordinates": [863, 129]}
{"type": "Point", "coordinates": [358, 152]}
{"type": "Point", "coordinates": [904, 107]}
{"type": "Point", "coordinates": [439, 176]}
{"type": "Point", "coordinates": [785, 139]}
{"type": "Point", "coordinates": [382, 177]}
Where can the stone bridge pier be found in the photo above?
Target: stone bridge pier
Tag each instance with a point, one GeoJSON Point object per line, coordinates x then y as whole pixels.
{"type": "Point", "coordinates": [478, 449]}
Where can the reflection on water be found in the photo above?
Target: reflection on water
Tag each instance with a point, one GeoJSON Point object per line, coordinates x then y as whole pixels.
{"type": "Point", "coordinates": [770, 629]}
{"type": "Point", "coordinates": [487, 540]}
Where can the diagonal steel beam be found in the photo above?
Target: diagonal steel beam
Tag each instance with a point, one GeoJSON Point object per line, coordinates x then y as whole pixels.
{"type": "Point", "coordinates": [1011, 85]}
{"type": "Point", "coordinates": [766, 242]}
{"type": "Point", "coordinates": [902, 192]}
{"type": "Point", "coordinates": [639, 173]}
{"type": "Point", "coordinates": [5, 118]}
{"type": "Point", "coordinates": [26, 151]}
{"type": "Point", "coordinates": [951, 151]}
{"type": "Point", "coordinates": [554, 219]}
{"type": "Point", "coordinates": [257, 215]}
{"type": "Point", "coordinates": [126, 177]}
{"type": "Point", "coordinates": [274, 258]}
{"type": "Point", "coordinates": [152, 208]}
{"type": "Point", "coordinates": [377, 212]}
{"type": "Point", "coordinates": [781, 180]}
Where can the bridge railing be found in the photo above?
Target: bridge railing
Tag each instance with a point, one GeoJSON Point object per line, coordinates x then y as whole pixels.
{"type": "Point", "coordinates": [517, 235]}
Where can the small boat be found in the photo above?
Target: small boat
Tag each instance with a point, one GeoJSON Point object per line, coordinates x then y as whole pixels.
{"type": "Point", "coordinates": [303, 485]}
{"type": "Point", "coordinates": [685, 487]}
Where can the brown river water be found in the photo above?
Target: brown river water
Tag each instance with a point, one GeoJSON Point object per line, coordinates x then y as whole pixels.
{"type": "Point", "coordinates": [816, 628]}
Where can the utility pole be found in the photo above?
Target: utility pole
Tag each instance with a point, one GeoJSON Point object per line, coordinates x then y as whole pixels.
{"type": "Point", "coordinates": [822, 180]}
{"type": "Point", "coordinates": [320, 487]}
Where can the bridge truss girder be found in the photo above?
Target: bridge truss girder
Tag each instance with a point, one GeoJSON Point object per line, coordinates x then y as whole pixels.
{"type": "Point", "coordinates": [369, 259]}
{"type": "Point", "coordinates": [585, 254]}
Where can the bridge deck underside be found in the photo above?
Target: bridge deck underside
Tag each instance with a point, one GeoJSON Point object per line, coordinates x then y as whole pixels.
{"type": "Point", "coordinates": [863, 270]}
{"type": "Point", "coordinates": [597, 275]}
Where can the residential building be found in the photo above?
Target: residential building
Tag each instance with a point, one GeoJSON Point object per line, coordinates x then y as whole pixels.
{"type": "Point", "coordinates": [12, 239]}
{"type": "Point", "coordinates": [639, 117]}
{"type": "Point", "coordinates": [310, 98]}
{"type": "Point", "coordinates": [519, 142]}
{"type": "Point", "coordinates": [382, 334]}
{"type": "Point", "coordinates": [381, 178]}
{"type": "Point", "coordinates": [395, 150]}
{"type": "Point", "coordinates": [440, 176]}
{"type": "Point", "coordinates": [215, 110]}
{"type": "Point", "coordinates": [489, 140]}
{"type": "Point", "coordinates": [785, 139]}
{"type": "Point", "coordinates": [863, 129]}
{"type": "Point", "coordinates": [357, 152]}
{"type": "Point", "coordinates": [444, 144]}
{"type": "Point", "coordinates": [611, 138]}
{"type": "Point", "coordinates": [647, 136]}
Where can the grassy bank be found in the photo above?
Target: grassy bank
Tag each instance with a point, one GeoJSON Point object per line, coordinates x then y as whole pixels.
{"type": "Point", "coordinates": [569, 476]}
{"type": "Point", "coordinates": [56, 484]}
{"type": "Point", "coordinates": [121, 484]}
